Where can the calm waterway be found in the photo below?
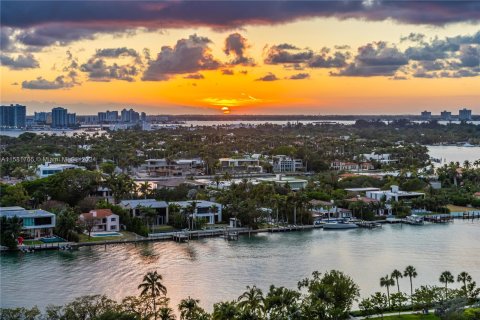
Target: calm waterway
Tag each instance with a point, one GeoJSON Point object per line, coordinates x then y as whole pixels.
{"type": "Point", "coordinates": [215, 269]}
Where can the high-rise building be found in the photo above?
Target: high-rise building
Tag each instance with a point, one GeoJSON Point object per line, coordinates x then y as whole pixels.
{"type": "Point", "coordinates": [129, 115]}
{"type": "Point", "coordinates": [71, 119]}
{"type": "Point", "coordinates": [112, 116]}
{"type": "Point", "coordinates": [464, 114]}
{"type": "Point", "coordinates": [40, 117]}
{"type": "Point", "coordinates": [143, 116]}
{"type": "Point", "coordinates": [102, 117]}
{"type": "Point", "coordinates": [446, 115]}
{"type": "Point", "coordinates": [13, 116]}
{"type": "Point", "coordinates": [59, 117]}
{"type": "Point", "coordinates": [426, 114]}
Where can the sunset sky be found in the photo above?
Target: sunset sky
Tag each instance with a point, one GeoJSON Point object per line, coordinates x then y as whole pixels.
{"type": "Point", "coordinates": [249, 57]}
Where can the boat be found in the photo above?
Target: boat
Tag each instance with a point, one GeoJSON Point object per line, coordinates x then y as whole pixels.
{"type": "Point", "coordinates": [414, 219]}
{"type": "Point", "coordinates": [341, 224]}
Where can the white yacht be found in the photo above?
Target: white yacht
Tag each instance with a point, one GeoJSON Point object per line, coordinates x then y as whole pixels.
{"type": "Point", "coordinates": [414, 219]}
{"type": "Point", "coordinates": [341, 224]}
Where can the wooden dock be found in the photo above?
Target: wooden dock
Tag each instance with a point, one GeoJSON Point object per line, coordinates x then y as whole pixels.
{"type": "Point", "coordinates": [369, 224]}
{"type": "Point", "coordinates": [439, 218]}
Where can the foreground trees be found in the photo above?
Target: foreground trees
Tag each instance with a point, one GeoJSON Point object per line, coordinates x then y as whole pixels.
{"type": "Point", "coordinates": [328, 296]}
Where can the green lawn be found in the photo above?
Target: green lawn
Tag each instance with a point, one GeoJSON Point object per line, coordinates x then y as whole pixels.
{"type": "Point", "coordinates": [126, 235]}
{"type": "Point", "coordinates": [163, 228]}
{"type": "Point", "coordinates": [410, 317]}
{"type": "Point", "coordinates": [454, 208]}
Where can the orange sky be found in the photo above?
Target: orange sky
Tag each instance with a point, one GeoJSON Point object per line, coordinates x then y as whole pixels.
{"type": "Point", "coordinates": [208, 90]}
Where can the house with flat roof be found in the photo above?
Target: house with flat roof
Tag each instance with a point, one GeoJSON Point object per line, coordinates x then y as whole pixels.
{"type": "Point", "coordinates": [35, 223]}
{"type": "Point", "coordinates": [281, 180]}
{"type": "Point", "coordinates": [394, 194]}
{"type": "Point", "coordinates": [211, 211]}
{"type": "Point", "coordinates": [282, 163]}
{"type": "Point", "coordinates": [101, 220]}
{"type": "Point", "coordinates": [135, 208]}
{"type": "Point", "coordinates": [48, 169]}
{"type": "Point", "coordinates": [240, 165]}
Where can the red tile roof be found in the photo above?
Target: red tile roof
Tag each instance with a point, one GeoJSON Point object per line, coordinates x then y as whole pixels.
{"type": "Point", "coordinates": [100, 213]}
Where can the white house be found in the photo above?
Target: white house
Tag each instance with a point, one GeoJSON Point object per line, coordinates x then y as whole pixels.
{"type": "Point", "coordinates": [282, 163]}
{"type": "Point", "coordinates": [211, 211]}
{"type": "Point", "coordinates": [35, 223]}
{"type": "Point", "coordinates": [102, 220]}
{"type": "Point", "coordinates": [48, 169]}
{"type": "Point", "coordinates": [394, 194]}
{"type": "Point", "coordinates": [135, 208]}
{"type": "Point", "coordinates": [294, 183]}
{"type": "Point", "coordinates": [382, 158]}
{"type": "Point", "coordinates": [244, 164]}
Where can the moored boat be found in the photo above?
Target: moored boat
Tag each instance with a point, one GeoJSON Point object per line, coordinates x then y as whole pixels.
{"type": "Point", "coordinates": [343, 224]}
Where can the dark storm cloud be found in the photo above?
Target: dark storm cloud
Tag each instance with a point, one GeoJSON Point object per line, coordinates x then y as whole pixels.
{"type": "Point", "coordinates": [187, 56]}
{"type": "Point", "coordinates": [236, 45]}
{"type": "Point", "coordinates": [268, 77]}
{"type": "Point", "coordinates": [374, 59]}
{"type": "Point", "coordinates": [230, 14]}
{"type": "Point", "coordinates": [299, 76]}
{"type": "Point", "coordinates": [26, 61]}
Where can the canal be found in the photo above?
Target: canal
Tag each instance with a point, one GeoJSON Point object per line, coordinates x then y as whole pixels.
{"type": "Point", "coordinates": [214, 269]}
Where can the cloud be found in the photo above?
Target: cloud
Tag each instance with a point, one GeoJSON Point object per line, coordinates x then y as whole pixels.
{"type": "Point", "coordinates": [61, 82]}
{"type": "Point", "coordinates": [230, 14]}
{"type": "Point", "coordinates": [197, 76]}
{"type": "Point", "coordinates": [187, 56]}
{"type": "Point", "coordinates": [286, 46]}
{"type": "Point", "coordinates": [227, 72]}
{"type": "Point", "coordinates": [338, 60]}
{"type": "Point", "coordinates": [98, 70]}
{"type": "Point", "coordinates": [374, 59]}
{"type": "Point", "coordinates": [6, 39]}
{"type": "Point", "coordinates": [287, 54]}
{"type": "Point", "coordinates": [26, 61]}
{"type": "Point", "coordinates": [236, 45]}
{"type": "Point", "coordinates": [268, 77]}
{"type": "Point", "coordinates": [116, 52]}
{"type": "Point", "coordinates": [299, 76]}
{"type": "Point", "coordinates": [470, 56]}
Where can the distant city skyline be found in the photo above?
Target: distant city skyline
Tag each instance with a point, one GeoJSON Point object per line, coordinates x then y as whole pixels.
{"type": "Point", "coordinates": [214, 57]}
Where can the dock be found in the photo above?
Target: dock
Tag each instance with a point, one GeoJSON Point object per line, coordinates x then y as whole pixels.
{"type": "Point", "coordinates": [369, 224]}
{"type": "Point", "coordinates": [439, 218]}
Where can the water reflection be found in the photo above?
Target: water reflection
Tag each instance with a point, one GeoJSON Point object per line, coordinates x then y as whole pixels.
{"type": "Point", "coordinates": [214, 269]}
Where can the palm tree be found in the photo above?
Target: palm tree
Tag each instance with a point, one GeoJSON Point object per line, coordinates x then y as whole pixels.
{"type": "Point", "coordinates": [446, 277]}
{"type": "Point", "coordinates": [387, 282]}
{"type": "Point", "coordinates": [145, 189]}
{"type": "Point", "coordinates": [188, 308]}
{"type": "Point", "coordinates": [410, 272]}
{"type": "Point", "coordinates": [464, 277]}
{"type": "Point", "coordinates": [224, 310]}
{"type": "Point", "coordinates": [251, 299]}
{"type": "Point", "coordinates": [152, 286]}
{"type": "Point", "coordinates": [165, 313]}
{"type": "Point", "coordinates": [397, 274]}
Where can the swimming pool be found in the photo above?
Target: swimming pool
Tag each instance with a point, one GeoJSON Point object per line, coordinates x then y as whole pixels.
{"type": "Point", "coordinates": [106, 234]}
{"type": "Point", "coordinates": [53, 239]}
